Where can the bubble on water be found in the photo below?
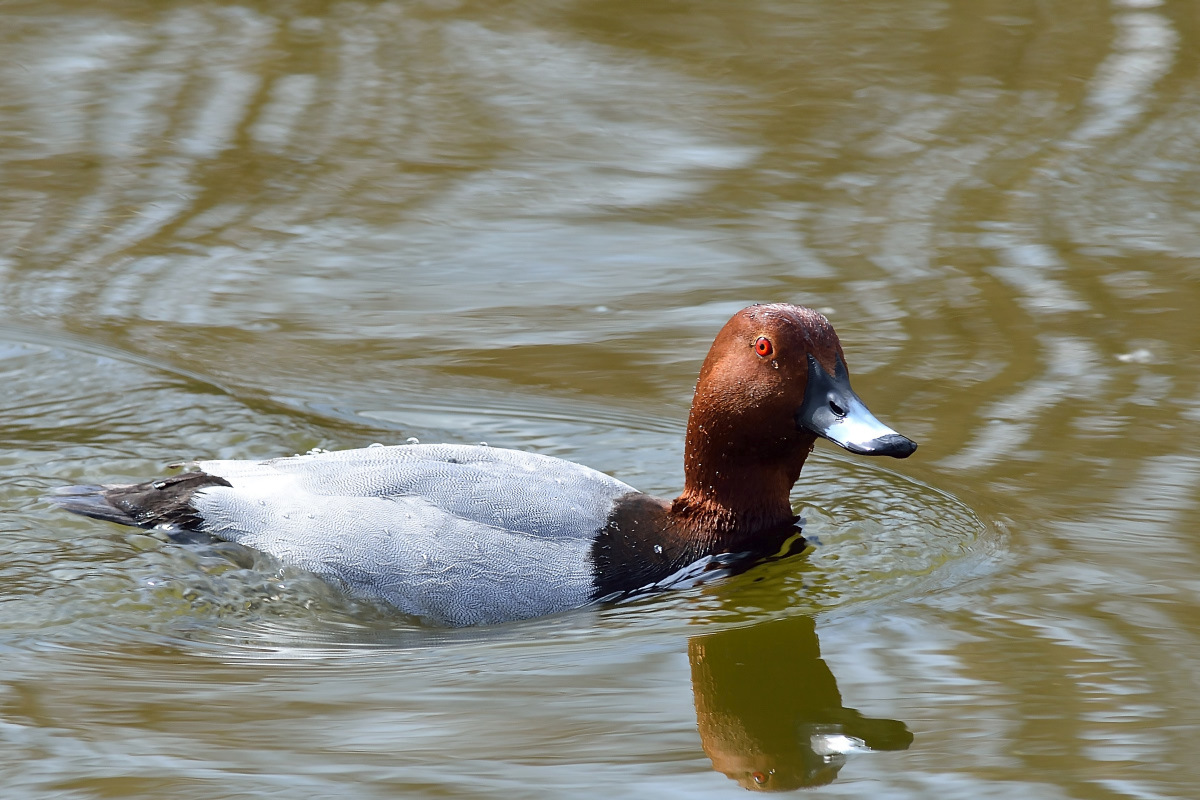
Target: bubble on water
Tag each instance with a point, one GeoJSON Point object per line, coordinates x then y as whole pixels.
{"type": "Point", "coordinates": [375, 444]}
{"type": "Point", "coordinates": [483, 444]}
{"type": "Point", "coordinates": [412, 440]}
{"type": "Point", "coordinates": [1138, 356]}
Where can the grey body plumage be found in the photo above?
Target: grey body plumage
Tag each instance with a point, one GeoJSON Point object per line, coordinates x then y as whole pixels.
{"type": "Point", "coordinates": [455, 534]}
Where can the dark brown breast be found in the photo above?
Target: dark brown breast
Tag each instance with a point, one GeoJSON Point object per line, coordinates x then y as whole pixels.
{"type": "Point", "coordinates": [643, 543]}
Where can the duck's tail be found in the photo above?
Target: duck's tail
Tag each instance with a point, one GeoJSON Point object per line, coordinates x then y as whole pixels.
{"type": "Point", "coordinates": [91, 501]}
{"type": "Point", "coordinates": [161, 503]}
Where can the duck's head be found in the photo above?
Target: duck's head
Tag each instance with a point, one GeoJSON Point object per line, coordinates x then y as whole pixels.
{"type": "Point", "coordinates": [774, 381]}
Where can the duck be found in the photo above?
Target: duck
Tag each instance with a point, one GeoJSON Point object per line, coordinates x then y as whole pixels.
{"type": "Point", "coordinates": [459, 535]}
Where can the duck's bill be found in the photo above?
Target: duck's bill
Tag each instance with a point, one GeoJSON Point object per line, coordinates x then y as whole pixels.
{"type": "Point", "coordinates": [832, 410]}
{"type": "Point", "coordinates": [860, 432]}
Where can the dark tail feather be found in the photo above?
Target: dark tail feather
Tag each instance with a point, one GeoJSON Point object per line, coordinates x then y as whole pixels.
{"type": "Point", "coordinates": [90, 501]}
{"type": "Point", "coordinates": [165, 502]}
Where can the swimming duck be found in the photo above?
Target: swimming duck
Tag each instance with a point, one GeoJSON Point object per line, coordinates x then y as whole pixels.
{"type": "Point", "coordinates": [465, 534]}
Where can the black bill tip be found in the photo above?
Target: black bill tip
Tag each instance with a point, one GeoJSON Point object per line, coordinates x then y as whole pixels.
{"type": "Point", "coordinates": [892, 444]}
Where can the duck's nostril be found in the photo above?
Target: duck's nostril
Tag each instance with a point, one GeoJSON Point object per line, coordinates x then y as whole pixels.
{"type": "Point", "coordinates": [836, 409]}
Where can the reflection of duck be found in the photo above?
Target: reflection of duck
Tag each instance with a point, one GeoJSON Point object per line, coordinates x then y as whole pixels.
{"type": "Point", "coordinates": [769, 710]}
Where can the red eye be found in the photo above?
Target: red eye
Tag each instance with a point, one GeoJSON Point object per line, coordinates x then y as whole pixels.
{"type": "Point", "coordinates": [763, 347]}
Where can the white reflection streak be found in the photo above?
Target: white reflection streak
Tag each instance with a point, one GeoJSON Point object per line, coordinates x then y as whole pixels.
{"type": "Point", "coordinates": [228, 88]}
{"type": "Point", "coordinates": [1152, 511]}
{"type": "Point", "coordinates": [1072, 371]}
{"type": "Point", "coordinates": [1143, 52]}
{"type": "Point", "coordinates": [602, 130]}
{"type": "Point", "coordinates": [1026, 269]}
{"type": "Point", "coordinates": [291, 96]}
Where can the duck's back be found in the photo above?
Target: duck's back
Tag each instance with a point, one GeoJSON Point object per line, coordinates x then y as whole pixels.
{"type": "Point", "coordinates": [453, 533]}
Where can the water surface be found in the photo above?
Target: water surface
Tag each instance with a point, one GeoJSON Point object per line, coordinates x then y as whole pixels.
{"type": "Point", "coordinates": [246, 230]}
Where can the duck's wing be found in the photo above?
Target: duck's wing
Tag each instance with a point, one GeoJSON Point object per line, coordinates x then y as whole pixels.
{"type": "Point", "coordinates": [512, 490]}
{"type": "Point", "coordinates": [458, 534]}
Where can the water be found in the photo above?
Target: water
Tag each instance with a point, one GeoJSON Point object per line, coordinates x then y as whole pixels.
{"type": "Point", "coordinates": [244, 231]}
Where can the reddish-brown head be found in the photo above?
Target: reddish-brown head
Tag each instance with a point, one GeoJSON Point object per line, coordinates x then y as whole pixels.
{"type": "Point", "coordinates": [774, 380]}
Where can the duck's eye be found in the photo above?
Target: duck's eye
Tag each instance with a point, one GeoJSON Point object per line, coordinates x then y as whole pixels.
{"type": "Point", "coordinates": [836, 409]}
{"type": "Point", "coordinates": [763, 346]}
{"type": "Point", "coordinates": [759, 778]}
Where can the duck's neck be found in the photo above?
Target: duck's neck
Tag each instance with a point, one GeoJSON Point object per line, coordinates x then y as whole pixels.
{"type": "Point", "coordinates": [729, 505]}
{"type": "Point", "coordinates": [733, 499]}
